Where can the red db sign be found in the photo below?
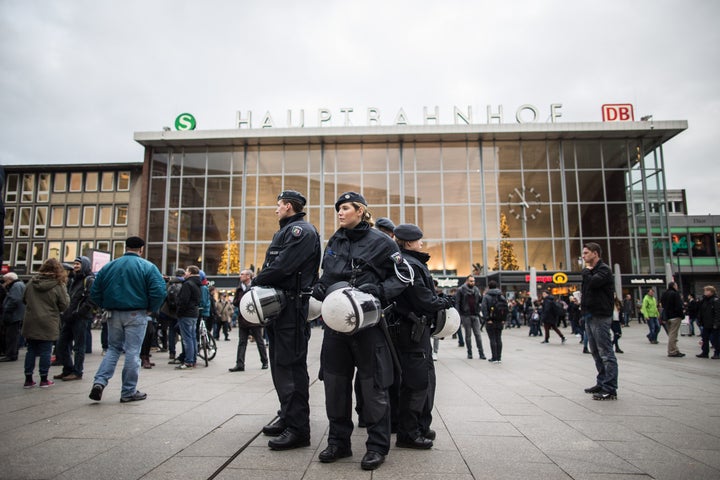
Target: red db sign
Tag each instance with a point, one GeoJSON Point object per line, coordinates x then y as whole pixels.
{"type": "Point", "coordinates": [618, 112]}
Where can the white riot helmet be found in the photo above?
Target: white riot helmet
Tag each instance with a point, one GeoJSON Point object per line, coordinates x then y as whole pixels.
{"type": "Point", "coordinates": [348, 310]}
{"type": "Point", "coordinates": [260, 304]}
{"type": "Point", "coordinates": [314, 309]}
{"type": "Point", "coordinates": [447, 322]}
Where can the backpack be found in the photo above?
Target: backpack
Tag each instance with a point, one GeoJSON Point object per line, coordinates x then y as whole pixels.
{"type": "Point", "coordinates": [173, 290]}
{"type": "Point", "coordinates": [559, 308]}
{"type": "Point", "coordinates": [498, 311]}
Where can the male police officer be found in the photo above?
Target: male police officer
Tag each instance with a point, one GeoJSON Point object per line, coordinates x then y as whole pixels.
{"type": "Point", "coordinates": [291, 264]}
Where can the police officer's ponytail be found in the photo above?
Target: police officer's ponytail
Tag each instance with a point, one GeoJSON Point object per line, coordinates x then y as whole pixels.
{"type": "Point", "coordinates": [367, 216]}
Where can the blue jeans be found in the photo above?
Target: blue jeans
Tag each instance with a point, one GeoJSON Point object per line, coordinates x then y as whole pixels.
{"type": "Point", "coordinates": [38, 348]}
{"type": "Point", "coordinates": [126, 331]}
{"type": "Point", "coordinates": [600, 343]}
{"type": "Point", "coordinates": [654, 327]}
{"type": "Point", "coordinates": [188, 332]}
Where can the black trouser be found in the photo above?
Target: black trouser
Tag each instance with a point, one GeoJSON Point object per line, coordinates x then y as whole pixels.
{"type": "Point", "coordinates": [548, 327]}
{"type": "Point", "coordinates": [12, 336]}
{"type": "Point", "coordinates": [256, 333]}
{"type": "Point", "coordinates": [289, 335]}
{"type": "Point", "coordinates": [72, 341]}
{"type": "Point", "coordinates": [617, 333]}
{"type": "Point", "coordinates": [494, 332]}
{"type": "Point", "coordinates": [368, 352]}
{"type": "Point", "coordinates": [425, 419]}
{"type": "Point", "coordinates": [148, 340]}
{"type": "Point", "coordinates": [415, 383]}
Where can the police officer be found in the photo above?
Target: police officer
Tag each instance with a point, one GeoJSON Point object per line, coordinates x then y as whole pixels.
{"type": "Point", "coordinates": [291, 264]}
{"type": "Point", "coordinates": [417, 306]}
{"type": "Point", "coordinates": [370, 261]}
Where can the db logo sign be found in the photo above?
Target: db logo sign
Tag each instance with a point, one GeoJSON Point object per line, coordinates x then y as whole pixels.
{"type": "Point", "coordinates": [618, 112]}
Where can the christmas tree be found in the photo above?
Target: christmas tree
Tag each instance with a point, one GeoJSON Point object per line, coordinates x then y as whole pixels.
{"type": "Point", "coordinates": [230, 261]}
{"type": "Point", "coordinates": [506, 256]}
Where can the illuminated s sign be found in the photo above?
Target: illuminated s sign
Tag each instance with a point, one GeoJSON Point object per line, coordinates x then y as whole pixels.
{"type": "Point", "coordinates": [618, 112]}
{"type": "Point", "coordinates": [185, 121]}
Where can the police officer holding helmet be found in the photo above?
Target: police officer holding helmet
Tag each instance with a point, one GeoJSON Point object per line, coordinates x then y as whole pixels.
{"type": "Point", "coordinates": [417, 306]}
{"type": "Point", "coordinates": [370, 261]}
{"type": "Point", "coordinates": [291, 265]}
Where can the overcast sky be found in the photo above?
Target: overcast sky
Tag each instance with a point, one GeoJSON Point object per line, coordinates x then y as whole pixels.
{"type": "Point", "coordinates": [80, 77]}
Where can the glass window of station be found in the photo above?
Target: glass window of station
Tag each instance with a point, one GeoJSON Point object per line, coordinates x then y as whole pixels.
{"type": "Point", "coordinates": [539, 201]}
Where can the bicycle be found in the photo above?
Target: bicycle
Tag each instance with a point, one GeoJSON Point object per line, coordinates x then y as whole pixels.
{"type": "Point", "coordinates": [207, 348]}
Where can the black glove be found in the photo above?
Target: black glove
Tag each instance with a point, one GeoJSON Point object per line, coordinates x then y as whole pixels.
{"type": "Point", "coordinates": [318, 292]}
{"type": "Point", "coordinates": [449, 302]}
{"type": "Point", "coordinates": [370, 288]}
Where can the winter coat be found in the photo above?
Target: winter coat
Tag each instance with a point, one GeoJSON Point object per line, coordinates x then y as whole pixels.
{"type": "Point", "coordinates": [189, 298]}
{"type": "Point", "coordinates": [649, 307]}
{"type": "Point", "coordinates": [598, 290]}
{"type": "Point", "coordinates": [709, 312]}
{"type": "Point", "coordinates": [224, 310]}
{"type": "Point", "coordinates": [548, 314]}
{"type": "Point", "coordinates": [129, 283]}
{"type": "Point", "coordinates": [462, 299]}
{"type": "Point", "coordinates": [81, 307]}
{"type": "Point", "coordinates": [672, 304]}
{"type": "Point", "coordinates": [13, 306]}
{"type": "Point", "coordinates": [45, 299]}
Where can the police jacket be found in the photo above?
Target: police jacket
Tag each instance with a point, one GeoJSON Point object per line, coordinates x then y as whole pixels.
{"type": "Point", "coordinates": [361, 256]}
{"type": "Point", "coordinates": [129, 283]}
{"type": "Point", "coordinates": [420, 297]}
{"type": "Point", "coordinates": [598, 290]}
{"type": "Point", "coordinates": [672, 304]}
{"type": "Point", "coordinates": [189, 298]}
{"type": "Point", "coordinates": [295, 248]}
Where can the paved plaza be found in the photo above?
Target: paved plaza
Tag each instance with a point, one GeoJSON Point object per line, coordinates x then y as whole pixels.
{"type": "Point", "coordinates": [527, 418]}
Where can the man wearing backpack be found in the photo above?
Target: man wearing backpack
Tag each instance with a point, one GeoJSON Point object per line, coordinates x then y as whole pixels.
{"type": "Point", "coordinates": [467, 301]}
{"type": "Point", "coordinates": [495, 311]}
{"type": "Point", "coordinates": [75, 318]}
{"type": "Point", "coordinates": [550, 316]}
{"type": "Point", "coordinates": [168, 313]}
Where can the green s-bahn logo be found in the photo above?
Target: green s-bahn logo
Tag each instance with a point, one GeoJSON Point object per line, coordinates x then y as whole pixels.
{"type": "Point", "coordinates": [185, 121]}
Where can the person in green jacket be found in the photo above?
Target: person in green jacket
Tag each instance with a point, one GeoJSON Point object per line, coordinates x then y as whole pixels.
{"type": "Point", "coordinates": [45, 298]}
{"type": "Point", "coordinates": [651, 314]}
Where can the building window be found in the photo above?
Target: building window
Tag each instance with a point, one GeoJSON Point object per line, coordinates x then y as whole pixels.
{"type": "Point", "coordinates": [38, 256]}
{"type": "Point", "coordinates": [88, 219]}
{"type": "Point", "coordinates": [121, 215]}
{"type": "Point", "coordinates": [108, 181]}
{"type": "Point", "coordinates": [28, 188]}
{"type": "Point", "coordinates": [91, 181]}
{"type": "Point", "coordinates": [40, 221]}
{"type": "Point", "coordinates": [86, 248]}
{"type": "Point", "coordinates": [76, 182]}
{"type": "Point", "coordinates": [105, 216]}
{"type": "Point", "coordinates": [73, 217]}
{"type": "Point", "coordinates": [70, 253]}
{"type": "Point", "coordinates": [7, 251]}
{"type": "Point", "coordinates": [9, 227]}
{"type": "Point", "coordinates": [118, 249]}
{"type": "Point", "coordinates": [24, 222]}
{"type": "Point", "coordinates": [123, 181]}
{"type": "Point", "coordinates": [57, 216]}
{"type": "Point", "coordinates": [21, 253]}
{"type": "Point", "coordinates": [43, 193]}
{"type": "Point", "coordinates": [13, 182]}
{"type": "Point", "coordinates": [60, 183]}
{"type": "Point", "coordinates": [103, 245]}
{"type": "Point", "coordinates": [54, 250]}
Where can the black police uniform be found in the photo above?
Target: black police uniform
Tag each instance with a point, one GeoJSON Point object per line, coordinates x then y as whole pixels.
{"type": "Point", "coordinates": [365, 258]}
{"type": "Point", "coordinates": [417, 386]}
{"type": "Point", "coordinates": [294, 253]}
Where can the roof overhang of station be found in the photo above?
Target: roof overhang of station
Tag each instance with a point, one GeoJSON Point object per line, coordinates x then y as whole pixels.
{"type": "Point", "coordinates": [653, 133]}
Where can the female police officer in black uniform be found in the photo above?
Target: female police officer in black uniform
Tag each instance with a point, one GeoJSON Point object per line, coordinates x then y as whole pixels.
{"type": "Point", "coordinates": [417, 307]}
{"type": "Point", "coordinates": [369, 260]}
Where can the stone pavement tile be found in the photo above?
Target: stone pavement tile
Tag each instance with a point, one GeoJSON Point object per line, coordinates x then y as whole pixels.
{"type": "Point", "coordinates": [218, 443]}
{"type": "Point", "coordinates": [496, 448]}
{"type": "Point", "coordinates": [254, 473]}
{"type": "Point", "coordinates": [186, 467]}
{"type": "Point", "coordinates": [245, 423]}
{"type": "Point", "coordinates": [711, 458]}
{"type": "Point", "coordinates": [52, 457]}
{"type": "Point", "coordinates": [107, 427]}
{"type": "Point", "coordinates": [599, 460]}
{"type": "Point", "coordinates": [604, 430]}
{"type": "Point", "coordinates": [493, 429]}
{"type": "Point", "coordinates": [405, 462]}
{"type": "Point", "coordinates": [33, 434]}
{"type": "Point", "coordinates": [258, 455]}
{"type": "Point", "coordinates": [549, 433]}
{"type": "Point", "coordinates": [381, 474]}
{"type": "Point", "coordinates": [660, 469]}
{"type": "Point", "coordinates": [702, 418]}
{"type": "Point", "coordinates": [471, 412]}
{"type": "Point", "coordinates": [645, 449]}
{"type": "Point", "coordinates": [343, 469]}
{"type": "Point", "coordinates": [127, 460]}
{"type": "Point", "coordinates": [652, 423]}
{"type": "Point", "coordinates": [565, 408]}
{"type": "Point", "coordinates": [679, 441]}
{"type": "Point", "coordinates": [612, 476]}
{"type": "Point", "coordinates": [516, 469]}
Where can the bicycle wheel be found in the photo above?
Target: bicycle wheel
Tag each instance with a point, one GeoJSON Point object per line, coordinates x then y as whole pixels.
{"type": "Point", "coordinates": [204, 348]}
{"type": "Point", "coordinates": [211, 348]}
